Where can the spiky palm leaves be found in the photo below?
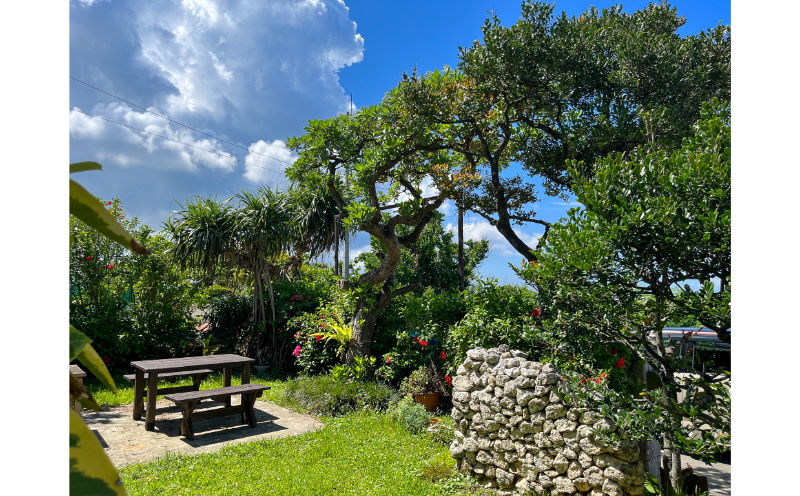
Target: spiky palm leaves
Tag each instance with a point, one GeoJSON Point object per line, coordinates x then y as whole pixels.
{"type": "Point", "coordinates": [207, 233]}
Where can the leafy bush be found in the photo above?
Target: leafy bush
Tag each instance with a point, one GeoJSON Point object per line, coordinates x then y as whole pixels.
{"type": "Point", "coordinates": [132, 307]}
{"type": "Point", "coordinates": [230, 319]}
{"type": "Point", "coordinates": [445, 430]}
{"type": "Point", "coordinates": [439, 468]}
{"type": "Point", "coordinates": [411, 414]}
{"type": "Point", "coordinates": [424, 380]}
{"type": "Point", "coordinates": [324, 395]}
{"type": "Point", "coordinates": [362, 369]}
{"type": "Point", "coordinates": [498, 314]}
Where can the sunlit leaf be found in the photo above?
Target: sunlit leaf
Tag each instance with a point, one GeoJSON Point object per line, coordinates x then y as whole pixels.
{"type": "Point", "coordinates": [94, 363]}
{"type": "Point", "coordinates": [90, 470]}
{"type": "Point", "coordinates": [84, 166]}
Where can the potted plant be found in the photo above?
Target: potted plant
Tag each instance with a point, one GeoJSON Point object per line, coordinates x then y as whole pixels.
{"type": "Point", "coordinates": [425, 385]}
{"type": "Point", "coordinates": [261, 362]}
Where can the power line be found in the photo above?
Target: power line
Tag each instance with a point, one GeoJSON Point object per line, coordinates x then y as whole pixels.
{"type": "Point", "coordinates": [76, 109]}
{"type": "Point", "coordinates": [176, 122]}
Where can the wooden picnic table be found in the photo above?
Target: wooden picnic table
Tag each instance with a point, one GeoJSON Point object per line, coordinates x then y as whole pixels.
{"type": "Point", "coordinates": [155, 367]}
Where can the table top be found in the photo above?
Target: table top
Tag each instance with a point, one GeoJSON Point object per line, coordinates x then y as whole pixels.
{"type": "Point", "coordinates": [188, 363]}
{"type": "Point", "coordinates": [77, 371]}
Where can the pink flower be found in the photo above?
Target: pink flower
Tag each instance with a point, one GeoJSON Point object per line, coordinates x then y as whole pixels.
{"type": "Point", "coordinates": [296, 351]}
{"type": "Point", "coordinates": [109, 203]}
{"type": "Point", "coordinates": [388, 360]}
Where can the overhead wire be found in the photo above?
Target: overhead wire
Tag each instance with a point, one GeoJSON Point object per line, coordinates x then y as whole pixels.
{"type": "Point", "coordinates": [76, 109]}
{"type": "Point", "coordinates": [176, 122]}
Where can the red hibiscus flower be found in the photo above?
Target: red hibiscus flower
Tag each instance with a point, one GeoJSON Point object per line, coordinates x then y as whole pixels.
{"type": "Point", "coordinates": [448, 380]}
{"type": "Point", "coordinates": [107, 359]}
{"type": "Point", "coordinates": [614, 352]}
{"type": "Point", "coordinates": [89, 258]}
{"type": "Point", "coordinates": [110, 266]}
{"type": "Point", "coordinates": [318, 336]}
{"type": "Point", "coordinates": [535, 313]}
{"type": "Point", "coordinates": [109, 203]}
{"type": "Point", "coordinates": [620, 363]}
{"type": "Point", "coordinates": [598, 380]}
{"type": "Point", "coordinates": [416, 339]}
{"type": "Point", "coordinates": [443, 355]}
{"type": "Point", "coordinates": [388, 360]}
{"type": "Point", "coordinates": [423, 343]}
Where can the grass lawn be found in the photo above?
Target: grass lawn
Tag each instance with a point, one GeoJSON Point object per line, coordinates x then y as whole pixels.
{"type": "Point", "coordinates": [363, 453]}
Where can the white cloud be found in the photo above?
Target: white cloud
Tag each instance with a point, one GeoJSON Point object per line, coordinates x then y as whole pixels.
{"type": "Point", "coordinates": [483, 230]}
{"type": "Point", "coordinates": [268, 169]}
{"type": "Point", "coordinates": [220, 67]}
{"type": "Point", "coordinates": [128, 147]}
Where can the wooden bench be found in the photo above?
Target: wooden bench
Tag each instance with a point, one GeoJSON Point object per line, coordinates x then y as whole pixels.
{"type": "Point", "coordinates": [187, 402]}
{"type": "Point", "coordinates": [79, 374]}
{"type": "Point", "coordinates": [197, 378]}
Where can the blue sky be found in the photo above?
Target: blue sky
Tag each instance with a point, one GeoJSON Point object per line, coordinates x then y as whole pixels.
{"type": "Point", "coordinates": [253, 73]}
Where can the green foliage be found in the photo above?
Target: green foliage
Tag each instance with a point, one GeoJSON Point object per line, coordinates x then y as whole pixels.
{"type": "Point", "coordinates": [444, 430]}
{"type": "Point", "coordinates": [439, 468]}
{"type": "Point", "coordinates": [425, 379]}
{"type": "Point", "coordinates": [132, 307]}
{"type": "Point", "coordinates": [410, 414]}
{"type": "Point", "coordinates": [360, 370]}
{"type": "Point", "coordinates": [230, 319]}
{"type": "Point", "coordinates": [90, 470]}
{"type": "Point", "coordinates": [611, 276]}
{"type": "Point", "coordinates": [325, 395]}
{"type": "Point", "coordinates": [433, 260]}
{"type": "Point", "coordinates": [498, 314]}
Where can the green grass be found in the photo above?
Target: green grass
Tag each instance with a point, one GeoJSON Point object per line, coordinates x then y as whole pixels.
{"type": "Point", "coordinates": [362, 453]}
{"type": "Point", "coordinates": [124, 394]}
{"type": "Point", "coordinates": [359, 453]}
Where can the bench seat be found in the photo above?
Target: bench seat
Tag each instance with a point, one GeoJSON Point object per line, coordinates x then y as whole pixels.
{"type": "Point", "coordinates": [197, 377]}
{"type": "Point", "coordinates": [187, 402]}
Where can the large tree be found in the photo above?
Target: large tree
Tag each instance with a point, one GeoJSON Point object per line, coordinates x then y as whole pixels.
{"type": "Point", "coordinates": [550, 89]}
{"type": "Point", "coordinates": [387, 155]}
{"type": "Point", "coordinates": [433, 260]}
{"type": "Point", "coordinates": [612, 275]}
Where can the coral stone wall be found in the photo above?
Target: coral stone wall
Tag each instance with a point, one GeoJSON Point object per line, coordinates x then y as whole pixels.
{"type": "Point", "coordinates": [515, 432]}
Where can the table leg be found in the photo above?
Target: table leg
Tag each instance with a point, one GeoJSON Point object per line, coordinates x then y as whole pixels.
{"type": "Point", "coordinates": [226, 381]}
{"type": "Point", "coordinates": [152, 393]}
{"type": "Point", "coordinates": [138, 395]}
{"type": "Point", "coordinates": [246, 373]}
{"type": "Point", "coordinates": [77, 404]}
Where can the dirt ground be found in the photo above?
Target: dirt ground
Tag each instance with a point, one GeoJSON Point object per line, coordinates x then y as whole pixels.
{"type": "Point", "coordinates": [126, 441]}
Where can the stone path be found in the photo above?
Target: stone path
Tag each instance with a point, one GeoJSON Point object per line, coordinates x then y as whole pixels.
{"type": "Point", "coordinates": [126, 441]}
{"type": "Point", "coordinates": [717, 474]}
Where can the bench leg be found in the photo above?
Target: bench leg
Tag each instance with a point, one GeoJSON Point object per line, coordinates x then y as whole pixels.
{"type": "Point", "coordinates": [152, 393]}
{"type": "Point", "coordinates": [186, 424]}
{"type": "Point", "coordinates": [138, 395]}
{"type": "Point", "coordinates": [196, 380]}
{"type": "Point", "coordinates": [247, 404]}
{"type": "Point", "coordinates": [226, 381]}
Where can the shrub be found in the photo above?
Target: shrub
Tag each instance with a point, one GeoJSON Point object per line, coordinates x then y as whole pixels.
{"type": "Point", "coordinates": [425, 380]}
{"type": "Point", "coordinates": [444, 431]}
{"type": "Point", "coordinates": [412, 415]}
{"type": "Point", "coordinates": [439, 468]}
{"type": "Point", "coordinates": [362, 369]}
{"type": "Point", "coordinates": [324, 395]}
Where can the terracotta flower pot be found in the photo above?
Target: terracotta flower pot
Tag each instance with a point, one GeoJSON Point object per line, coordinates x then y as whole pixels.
{"type": "Point", "coordinates": [430, 400]}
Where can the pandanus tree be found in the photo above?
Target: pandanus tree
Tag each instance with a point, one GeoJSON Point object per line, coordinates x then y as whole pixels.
{"type": "Point", "coordinates": [243, 233]}
{"type": "Point", "coordinates": [314, 212]}
{"type": "Point", "coordinates": [387, 156]}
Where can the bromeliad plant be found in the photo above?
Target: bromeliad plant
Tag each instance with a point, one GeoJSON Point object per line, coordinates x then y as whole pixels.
{"type": "Point", "coordinates": [91, 471]}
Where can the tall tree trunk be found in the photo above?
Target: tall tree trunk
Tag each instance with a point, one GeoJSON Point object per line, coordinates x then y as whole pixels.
{"type": "Point", "coordinates": [365, 319]}
{"type": "Point", "coordinates": [274, 334]}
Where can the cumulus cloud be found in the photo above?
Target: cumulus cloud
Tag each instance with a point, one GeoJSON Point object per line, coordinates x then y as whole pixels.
{"type": "Point", "coordinates": [499, 245]}
{"type": "Point", "coordinates": [267, 162]}
{"type": "Point", "coordinates": [131, 147]}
